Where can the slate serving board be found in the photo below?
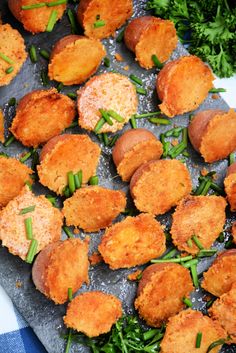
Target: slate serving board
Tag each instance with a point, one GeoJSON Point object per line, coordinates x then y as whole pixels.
{"type": "Point", "coordinates": [42, 315]}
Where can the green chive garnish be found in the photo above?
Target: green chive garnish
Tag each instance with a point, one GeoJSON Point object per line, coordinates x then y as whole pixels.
{"type": "Point", "coordinates": [189, 263]}
{"type": "Point", "coordinates": [59, 87]}
{"type": "Point", "coordinates": [209, 303]}
{"type": "Point", "coordinates": [69, 341]}
{"type": "Point", "coordinates": [44, 53]}
{"type": "Point", "coordinates": [193, 270]}
{"type": "Point", "coordinates": [187, 302]}
{"type": "Point", "coordinates": [133, 122]}
{"type": "Point", "coordinates": [52, 21]}
{"type": "Point", "coordinates": [68, 232]}
{"type": "Point", "coordinates": [52, 199]}
{"type": "Point", "coordinates": [217, 90]}
{"type": "Point", "coordinates": [9, 141]}
{"type": "Point", "coordinates": [206, 187]}
{"type": "Point", "coordinates": [198, 340]}
{"type": "Point", "coordinates": [136, 79]}
{"type": "Point", "coordinates": [80, 175]}
{"type": "Point", "coordinates": [105, 139]}
{"type": "Point", "coordinates": [175, 260]}
{"type": "Point", "coordinates": [141, 90]}
{"type": "Point", "coordinates": [221, 238]}
{"type": "Point", "coordinates": [73, 22]}
{"type": "Point", "coordinates": [170, 254]}
{"type": "Point", "coordinates": [9, 70]}
{"type": "Point", "coordinates": [159, 121]}
{"type": "Point", "coordinates": [28, 228]}
{"type": "Point", "coordinates": [26, 156]}
{"type": "Point", "coordinates": [44, 78]}
{"type": "Point", "coordinates": [106, 117]}
{"type": "Point", "coordinates": [74, 124]}
{"type": "Point", "coordinates": [99, 23]}
{"type": "Point", "coordinates": [56, 3]}
{"type": "Point", "coordinates": [27, 210]}
{"type": "Point", "coordinates": [12, 102]}
{"type": "Point", "coordinates": [28, 184]}
{"type": "Point", "coordinates": [207, 253]}
{"type": "Point", "coordinates": [99, 125]}
{"type": "Point", "coordinates": [33, 54]}
{"type": "Point", "coordinates": [77, 181]}
{"type": "Point", "coordinates": [93, 180]}
{"type": "Point", "coordinates": [197, 242]}
{"type": "Point", "coordinates": [115, 116]}
{"type": "Point", "coordinates": [113, 140]}
{"type": "Point", "coordinates": [215, 344]}
{"type": "Point", "coordinates": [120, 36]}
{"type": "Point", "coordinates": [32, 251]}
{"type": "Point", "coordinates": [171, 132]}
{"type": "Point", "coordinates": [231, 158]}
{"type": "Point", "coordinates": [72, 95]}
{"type": "Point", "coordinates": [6, 58]}
{"type": "Point", "coordinates": [66, 191]}
{"type": "Point", "coordinates": [70, 294]}
{"type": "Point", "coordinates": [106, 62]}
{"type": "Point", "coordinates": [33, 6]}
{"type": "Point", "coordinates": [71, 182]}
{"type": "Point", "coordinates": [156, 62]}
{"type": "Point", "coordinates": [217, 188]}
{"type": "Point", "coordinates": [146, 115]}
{"type": "Point", "coordinates": [189, 243]}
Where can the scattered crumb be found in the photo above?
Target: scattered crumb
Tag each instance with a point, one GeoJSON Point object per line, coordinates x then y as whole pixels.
{"type": "Point", "coordinates": [134, 276]}
{"type": "Point", "coordinates": [18, 284]}
{"type": "Point", "coordinates": [206, 298]}
{"type": "Point", "coordinates": [215, 176]}
{"type": "Point", "coordinates": [126, 68]}
{"type": "Point", "coordinates": [76, 231]}
{"type": "Point", "coordinates": [2, 139]}
{"type": "Point", "coordinates": [215, 96]}
{"type": "Point", "coordinates": [119, 57]}
{"type": "Point", "coordinates": [204, 172]}
{"type": "Point", "coordinates": [163, 226]}
{"type": "Point", "coordinates": [174, 142]}
{"type": "Point", "coordinates": [95, 258]}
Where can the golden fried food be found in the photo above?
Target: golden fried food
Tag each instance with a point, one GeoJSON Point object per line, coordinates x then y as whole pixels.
{"type": "Point", "coordinates": [230, 186]}
{"type": "Point", "coordinates": [234, 232]}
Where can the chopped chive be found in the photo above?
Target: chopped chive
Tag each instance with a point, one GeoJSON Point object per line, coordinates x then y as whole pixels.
{"type": "Point", "coordinates": [99, 125]}
{"type": "Point", "coordinates": [93, 180]}
{"type": "Point", "coordinates": [56, 3]}
{"type": "Point", "coordinates": [133, 122]}
{"type": "Point", "coordinates": [70, 294]}
{"type": "Point", "coordinates": [105, 139]}
{"type": "Point", "coordinates": [9, 70]}
{"type": "Point", "coordinates": [44, 53]}
{"type": "Point", "coordinates": [193, 270]}
{"type": "Point", "coordinates": [80, 175]}
{"type": "Point", "coordinates": [136, 79]}
{"type": "Point", "coordinates": [6, 58]}
{"type": "Point", "coordinates": [52, 21]}
{"type": "Point", "coordinates": [44, 77]}
{"type": "Point", "coordinates": [209, 303]}
{"type": "Point", "coordinates": [66, 191]}
{"type": "Point", "coordinates": [115, 116]}
{"type": "Point", "coordinates": [186, 154]}
{"type": "Point", "coordinates": [171, 132]}
{"type": "Point", "coordinates": [120, 36]}
{"type": "Point", "coordinates": [170, 254]}
{"type": "Point", "coordinates": [177, 260]}
{"type": "Point", "coordinates": [73, 22]}
{"type": "Point", "coordinates": [229, 243]}
{"type": "Point", "coordinates": [74, 124]}
{"type": "Point", "coordinates": [12, 102]}
{"type": "Point", "coordinates": [206, 187]}
{"type": "Point", "coordinates": [221, 238]}
{"type": "Point", "coordinates": [26, 156]}
{"type": "Point", "coordinates": [2, 154]}
{"type": "Point", "coordinates": [29, 228]}
{"type": "Point", "coordinates": [150, 334]}
{"type": "Point", "coordinates": [106, 117]}
{"type": "Point", "coordinates": [33, 6]}
{"type": "Point", "coordinates": [27, 210]}
{"type": "Point", "coordinates": [52, 199]}
{"type": "Point", "coordinates": [166, 148]}
{"type": "Point", "coordinates": [197, 242]}
{"type": "Point", "coordinates": [99, 23]}
{"type": "Point", "coordinates": [68, 232]}
{"type": "Point", "coordinates": [113, 140]}
{"type": "Point", "coordinates": [217, 188]}
{"type": "Point", "coordinates": [160, 121]}
{"type": "Point", "coordinates": [231, 158]}
{"type": "Point", "coordinates": [9, 141]}
{"type": "Point", "coordinates": [191, 116]}
{"type": "Point", "coordinates": [156, 62]}
{"type": "Point", "coordinates": [177, 150]}
{"type": "Point", "coordinates": [32, 251]}
{"type": "Point", "coordinates": [188, 264]}
{"type": "Point", "coordinates": [71, 182]}
{"type": "Point", "coordinates": [215, 344]}
{"type": "Point", "coordinates": [77, 181]}
{"type": "Point", "coordinates": [33, 54]}
{"type": "Point", "coordinates": [69, 341]}
{"type": "Point", "coordinates": [189, 243]}
{"type": "Point", "coordinates": [146, 115]}
{"type": "Point", "coordinates": [200, 187]}
{"type": "Point", "coordinates": [106, 62]}
{"type": "Point", "coordinates": [207, 253]}
{"type": "Point", "coordinates": [187, 302]}
{"type": "Point", "coordinates": [72, 95]}
{"type": "Point", "coordinates": [59, 87]}
{"type": "Point", "coordinates": [28, 184]}
{"type": "Point", "coordinates": [217, 90]}
{"type": "Point", "coordinates": [141, 90]}
{"type": "Point", "coordinates": [198, 340]}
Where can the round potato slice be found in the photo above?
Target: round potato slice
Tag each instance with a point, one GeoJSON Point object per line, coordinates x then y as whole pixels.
{"type": "Point", "coordinates": [147, 36]}
{"type": "Point", "coordinates": [93, 313]}
{"type": "Point", "coordinates": [59, 266]}
{"type": "Point", "coordinates": [234, 232]}
{"type": "Point", "coordinates": [66, 153]}
{"type": "Point", "coordinates": [183, 84]}
{"type": "Point", "coordinates": [218, 279]}
{"type": "Point", "coordinates": [12, 53]}
{"type": "Point", "coordinates": [13, 175]}
{"type": "Point", "coordinates": [159, 185]}
{"type": "Point", "coordinates": [213, 134]}
{"type": "Point", "coordinates": [74, 59]}
{"type": "Point", "coordinates": [157, 297]}
{"type": "Point", "coordinates": [35, 20]}
{"type": "Point", "coordinates": [223, 311]}
{"type": "Point", "coordinates": [183, 328]}
{"type": "Point", "coordinates": [109, 91]}
{"type": "Point", "coordinates": [93, 208]}
{"type": "Point", "coordinates": [110, 14]}
{"type": "Point", "coordinates": [230, 186]}
{"type": "Point", "coordinates": [132, 242]}
{"type": "Point", "coordinates": [132, 149]}
{"type": "Point", "coordinates": [46, 223]}
{"type": "Point", "coordinates": [202, 216]}
{"type": "Point", "coordinates": [52, 112]}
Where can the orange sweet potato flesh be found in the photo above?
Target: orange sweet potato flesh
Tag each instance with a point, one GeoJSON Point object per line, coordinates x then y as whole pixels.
{"type": "Point", "coordinates": [113, 13]}
{"type": "Point", "coordinates": [231, 169]}
{"type": "Point", "coordinates": [230, 186]}
{"type": "Point", "coordinates": [147, 36]}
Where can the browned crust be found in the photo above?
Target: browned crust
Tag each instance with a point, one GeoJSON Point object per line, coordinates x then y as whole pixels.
{"type": "Point", "coordinates": [230, 186]}
{"type": "Point", "coordinates": [49, 146]}
{"type": "Point", "coordinates": [93, 313]}
{"type": "Point", "coordinates": [135, 29]}
{"type": "Point", "coordinates": [234, 232]}
{"type": "Point", "coordinates": [63, 43]}
{"type": "Point", "coordinates": [231, 169]}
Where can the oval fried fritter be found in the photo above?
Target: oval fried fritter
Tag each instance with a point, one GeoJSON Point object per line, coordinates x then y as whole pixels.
{"type": "Point", "coordinates": [230, 186]}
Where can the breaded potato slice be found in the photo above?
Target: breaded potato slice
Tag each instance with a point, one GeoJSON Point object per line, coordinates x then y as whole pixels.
{"type": "Point", "coordinates": [223, 311]}
{"type": "Point", "coordinates": [159, 185]}
{"type": "Point", "coordinates": [66, 153]}
{"type": "Point", "coordinates": [13, 47]}
{"type": "Point", "coordinates": [34, 20]}
{"type": "Point", "coordinates": [230, 186]}
{"type": "Point", "coordinates": [132, 149]}
{"type": "Point", "coordinates": [46, 223]}
{"type": "Point", "coordinates": [74, 59]}
{"type": "Point", "coordinates": [109, 91]}
{"type": "Point", "coordinates": [93, 208]}
{"type": "Point", "coordinates": [202, 216]}
{"type": "Point", "coordinates": [59, 266]}
{"type": "Point", "coordinates": [182, 329]}
{"type": "Point", "coordinates": [112, 13]}
{"type": "Point", "coordinates": [132, 242]}
{"type": "Point", "coordinates": [158, 298]}
{"type": "Point", "coordinates": [93, 313]}
{"type": "Point", "coordinates": [218, 279]}
{"type": "Point", "coordinates": [52, 112]}
{"type": "Point", "coordinates": [234, 232]}
{"type": "Point", "coordinates": [213, 134]}
{"type": "Point", "coordinates": [13, 175]}
{"type": "Point", "coordinates": [183, 84]}
{"type": "Point", "coordinates": [147, 36]}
